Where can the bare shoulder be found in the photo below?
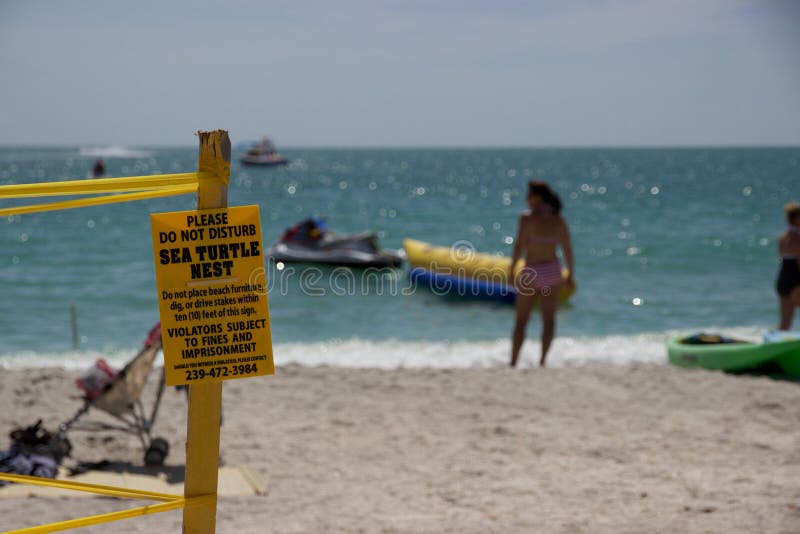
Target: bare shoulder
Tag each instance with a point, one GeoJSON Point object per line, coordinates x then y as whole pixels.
{"type": "Point", "coordinates": [525, 218]}
{"type": "Point", "coordinates": [790, 243]}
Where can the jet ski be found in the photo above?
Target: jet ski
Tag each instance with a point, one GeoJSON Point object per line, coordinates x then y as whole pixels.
{"type": "Point", "coordinates": [310, 241]}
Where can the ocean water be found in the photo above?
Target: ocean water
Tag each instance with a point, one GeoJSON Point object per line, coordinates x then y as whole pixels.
{"type": "Point", "coordinates": [666, 241]}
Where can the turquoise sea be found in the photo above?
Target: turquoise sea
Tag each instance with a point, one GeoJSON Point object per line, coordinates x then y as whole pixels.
{"type": "Point", "coordinates": [666, 241]}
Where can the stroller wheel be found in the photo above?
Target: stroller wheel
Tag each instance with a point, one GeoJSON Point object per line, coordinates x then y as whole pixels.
{"type": "Point", "coordinates": [156, 452]}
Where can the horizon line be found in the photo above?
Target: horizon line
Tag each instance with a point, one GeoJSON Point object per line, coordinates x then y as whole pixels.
{"type": "Point", "coordinates": [422, 147]}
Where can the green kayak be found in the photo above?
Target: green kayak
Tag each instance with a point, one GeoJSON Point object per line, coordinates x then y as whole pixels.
{"type": "Point", "coordinates": [712, 351]}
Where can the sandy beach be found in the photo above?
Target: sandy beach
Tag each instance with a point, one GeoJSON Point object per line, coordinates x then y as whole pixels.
{"type": "Point", "coordinates": [642, 448]}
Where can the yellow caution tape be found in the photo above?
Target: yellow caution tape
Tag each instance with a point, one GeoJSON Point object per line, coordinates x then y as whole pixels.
{"type": "Point", "coordinates": [96, 201]}
{"type": "Point", "coordinates": [89, 488]}
{"type": "Point", "coordinates": [102, 518]}
{"type": "Point", "coordinates": [172, 502]}
{"type": "Point", "coordinates": [99, 185]}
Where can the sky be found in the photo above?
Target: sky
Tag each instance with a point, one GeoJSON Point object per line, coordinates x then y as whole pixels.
{"type": "Point", "coordinates": [414, 73]}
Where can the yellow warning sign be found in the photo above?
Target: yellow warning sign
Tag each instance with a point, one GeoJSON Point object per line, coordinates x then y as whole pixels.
{"type": "Point", "coordinates": [212, 294]}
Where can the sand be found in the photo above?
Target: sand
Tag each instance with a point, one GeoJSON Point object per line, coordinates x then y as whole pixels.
{"type": "Point", "coordinates": [630, 449]}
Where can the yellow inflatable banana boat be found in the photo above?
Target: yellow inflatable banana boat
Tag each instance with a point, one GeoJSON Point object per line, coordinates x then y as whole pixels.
{"type": "Point", "coordinates": [462, 271]}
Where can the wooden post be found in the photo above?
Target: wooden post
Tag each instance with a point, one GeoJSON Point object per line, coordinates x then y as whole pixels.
{"type": "Point", "coordinates": [205, 400]}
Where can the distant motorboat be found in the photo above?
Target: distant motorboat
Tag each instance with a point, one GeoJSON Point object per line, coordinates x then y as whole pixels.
{"type": "Point", "coordinates": [263, 153]}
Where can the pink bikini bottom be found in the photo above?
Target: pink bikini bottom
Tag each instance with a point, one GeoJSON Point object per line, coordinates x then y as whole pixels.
{"type": "Point", "coordinates": [539, 276]}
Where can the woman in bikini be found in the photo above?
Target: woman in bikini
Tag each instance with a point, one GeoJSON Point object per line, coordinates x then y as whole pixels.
{"type": "Point", "coordinates": [788, 283]}
{"type": "Point", "coordinates": [541, 231]}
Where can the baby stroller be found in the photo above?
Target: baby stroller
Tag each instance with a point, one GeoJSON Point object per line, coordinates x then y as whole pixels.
{"type": "Point", "coordinates": [118, 393]}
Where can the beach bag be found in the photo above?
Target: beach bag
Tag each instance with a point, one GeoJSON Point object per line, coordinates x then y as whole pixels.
{"type": "Point", "coordinates": [16, 462]}
{"type": "Point", "coordinates": [35, 452]}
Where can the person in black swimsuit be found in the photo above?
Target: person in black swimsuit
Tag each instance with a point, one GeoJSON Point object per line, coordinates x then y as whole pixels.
{"type": "Point", "coordinates": [99, 169]}
{"type": "Point", "coordinates": [788, 283]}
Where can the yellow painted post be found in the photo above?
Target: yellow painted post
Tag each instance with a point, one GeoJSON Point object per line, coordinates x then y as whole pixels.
{"type": "Point", "coordinates": [205, 400]}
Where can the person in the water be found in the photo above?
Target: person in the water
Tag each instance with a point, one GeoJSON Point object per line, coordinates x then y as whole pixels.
{"type": "Point", "coordinates": [99, 169]}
